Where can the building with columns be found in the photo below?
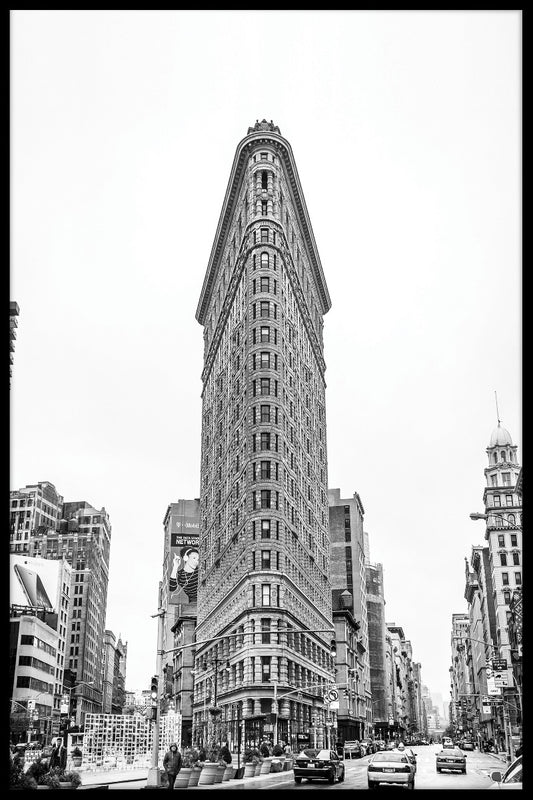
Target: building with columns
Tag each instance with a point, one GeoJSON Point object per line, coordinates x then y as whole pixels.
{"type": "Point", "coordinates": [264, 540]}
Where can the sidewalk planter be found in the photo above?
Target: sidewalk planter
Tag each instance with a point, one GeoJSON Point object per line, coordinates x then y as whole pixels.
{"type": "Point", "coordinates": [276, 765]}
{"type": "Point", "coordinates": [265, 765]}
{"type": "Point", "coordinates": [182, 778]}
{"type": "Point", "coordinates": [221, 768]}
{"type": "Point", "coordinates": [194, 776]}
{"type": "Point", "coordinates": [208, 773]}
{"type": "Point", "coordinates": [249, 770]}
{"type": "Point", "coordinates": [228, 773]}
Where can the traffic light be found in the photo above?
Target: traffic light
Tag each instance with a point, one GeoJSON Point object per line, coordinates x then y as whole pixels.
{"type": "Point", "coordinates": [154, 690]}
{"type": "Point", "coordinates": [333, 648]}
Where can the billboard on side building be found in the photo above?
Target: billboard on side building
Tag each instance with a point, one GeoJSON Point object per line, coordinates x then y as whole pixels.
{"type": "Point", "coordinates": [184, 532]}
{"type": "Point", "coordinates": [34, 582]}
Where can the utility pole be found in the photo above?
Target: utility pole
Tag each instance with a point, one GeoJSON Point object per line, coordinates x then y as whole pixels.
{"type": "Point", "coordinates": [154, 773]}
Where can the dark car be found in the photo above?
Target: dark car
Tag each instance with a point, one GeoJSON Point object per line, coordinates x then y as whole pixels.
{"type": "Point", "coordinates": [318, 765]}
{"type": "Point", "coordinates": [352, 749]}
{"type": "Point", "coordinates": [467, 745]}
{"type": "Point", "coordinates": [368, 746]}
{"type": "Point", "coordinates": [451, 758]}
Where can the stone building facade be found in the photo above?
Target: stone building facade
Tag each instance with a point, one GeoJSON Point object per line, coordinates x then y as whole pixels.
{"type": "Point", "coordinates": [264, 542]}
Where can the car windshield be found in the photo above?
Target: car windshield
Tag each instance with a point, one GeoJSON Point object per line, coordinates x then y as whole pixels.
{"type": "Point", "coordinates": [390, 757]}
{"type": "Point", "coordinates": [453, 751]}
{"type": "Point", "coordinates": [514, 772]}
{"type": "Point", "coordinates": [324, 755]}
{"type": "Point", "coordinates": [308, 753]}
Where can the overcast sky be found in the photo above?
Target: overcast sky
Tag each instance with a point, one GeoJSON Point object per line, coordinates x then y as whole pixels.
{"type": "Point", "coordinates": [406, 131]}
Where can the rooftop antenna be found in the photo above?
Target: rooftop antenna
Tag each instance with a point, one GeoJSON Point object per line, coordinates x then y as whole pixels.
{"type": "Point", "coordinates": [497, 412]}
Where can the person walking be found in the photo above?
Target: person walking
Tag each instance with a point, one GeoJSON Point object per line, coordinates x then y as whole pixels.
{"type": "Point", "coordinates": [172, 764]}
{"type": "Point", "coordinates": [58, 756]}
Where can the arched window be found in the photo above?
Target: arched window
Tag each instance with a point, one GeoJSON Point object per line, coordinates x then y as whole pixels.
{"type": "Point", "coordinates": [502, 455]}
{"type": "Point", "coordinates": [511, 519]}
{"type": "Point", "coordinates": [495, 457]}
{"type": "Point", "coordinates": [264, 260]}
{"type": "Point", "coordinates": [264, 179]}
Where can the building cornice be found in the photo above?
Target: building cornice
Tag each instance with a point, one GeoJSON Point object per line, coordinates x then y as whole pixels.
{"type": "Point", "coordinates": [251, 142]}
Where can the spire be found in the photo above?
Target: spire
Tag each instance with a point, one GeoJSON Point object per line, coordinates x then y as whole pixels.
{"type": "Point", "coordinates": [497, 411]}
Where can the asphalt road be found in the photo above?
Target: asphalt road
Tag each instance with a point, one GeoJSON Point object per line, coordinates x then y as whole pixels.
{"type": "Point", "coordinates": [478, 768]}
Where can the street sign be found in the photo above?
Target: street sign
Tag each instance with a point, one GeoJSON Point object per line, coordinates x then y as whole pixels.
{"type": "Point", "coordinates": [499, 664]}
{"type": "Point", "coordinates": [492, 688]}
{"type": "Point", "coordinates": [333, 695]}
{"type": "Point", "coordinates": [500, 679]}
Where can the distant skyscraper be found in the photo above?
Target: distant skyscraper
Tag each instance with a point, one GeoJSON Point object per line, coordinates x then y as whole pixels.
{"type": "Point", "coordinates": [264, 543]}
{"type": "Point", "coordinates": [13, 314]}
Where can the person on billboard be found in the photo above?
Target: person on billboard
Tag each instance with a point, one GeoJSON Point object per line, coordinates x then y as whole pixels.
{"type": "Point", "coordinates": [184, 573]}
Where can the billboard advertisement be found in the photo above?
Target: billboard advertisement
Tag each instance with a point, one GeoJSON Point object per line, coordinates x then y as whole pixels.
{"type": "Point", "coordinates": [184, 557]}
{"type": "Point", "coordinates": [34, 582]}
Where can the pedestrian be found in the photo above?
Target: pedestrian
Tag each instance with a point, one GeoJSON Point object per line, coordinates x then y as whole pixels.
{"type": "Point", "coordinates": [287, 749]}
{"type": "Point", "coordinates": [172, 764]}
{"type": "Point", "coordinates": [58, 756]}
{"type": "Point", "coordinates": [225, 753]}
{"type": "Point", "coordinates": [202, 755]}
{"type": "Point", "coordinates": [264, 750]}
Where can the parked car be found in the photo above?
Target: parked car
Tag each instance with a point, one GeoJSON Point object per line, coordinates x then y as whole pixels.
{"type": "Point", "coordinates": [352, 749]}
{"type": "Point", "coordinates": [380, 745]}
{"type": "Point", "coordinates": [511, 778]}
{"type": "Point", "coordinates": [451, 758]}
{"type": "Point", "coordinates": [390, 767]}
{"type": "Point", "coordinates": [318, 765]}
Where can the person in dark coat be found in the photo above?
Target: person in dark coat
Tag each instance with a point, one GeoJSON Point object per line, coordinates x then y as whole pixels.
{"type": "Point", "coordinates": [225, 753]}
{"type": "Point", "coordinates": [58, 756]}
{"type": "Point", "coordinates": [172, 764]}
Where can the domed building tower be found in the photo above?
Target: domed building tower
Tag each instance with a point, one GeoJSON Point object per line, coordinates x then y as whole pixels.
{"type": "Point", "coordinates": [503, 510]}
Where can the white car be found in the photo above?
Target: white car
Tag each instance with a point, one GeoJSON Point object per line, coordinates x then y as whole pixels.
{"type": "Point", "coordinates": [391, 766]}
{"type": "Point", "coordinates": [511, 778]}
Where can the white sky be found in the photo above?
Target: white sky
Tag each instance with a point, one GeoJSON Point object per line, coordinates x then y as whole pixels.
{"type": "Point", "coordinates": [406, 131]}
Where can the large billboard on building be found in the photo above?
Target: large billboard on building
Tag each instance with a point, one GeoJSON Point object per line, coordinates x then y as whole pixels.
{"type": "Point", "coordinates": [184, 530]}
{"type": "Point", "coordinates": [34, 582]}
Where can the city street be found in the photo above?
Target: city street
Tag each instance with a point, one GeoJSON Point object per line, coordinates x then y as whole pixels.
{"type": "Point", "coordinates": [479, 766]}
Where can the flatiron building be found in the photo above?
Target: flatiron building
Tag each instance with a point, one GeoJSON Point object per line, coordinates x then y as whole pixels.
{"type": "Point", "coordinates": [264, 541]}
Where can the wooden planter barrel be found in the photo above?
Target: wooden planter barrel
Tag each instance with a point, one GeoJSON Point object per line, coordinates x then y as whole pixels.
{"type": "Point", "coordinates": [265, 765]}
{"type": "Point", "coordinates": [182, 778]}
{"type": "Point", "coordinates": [208, 773]}
{"type": "Point", "coordinates": [194, 776]}
{"type": "Point", "coordinates": [249, 770]}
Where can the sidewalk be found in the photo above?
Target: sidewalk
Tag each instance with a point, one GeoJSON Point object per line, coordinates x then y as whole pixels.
{"type": "Point", "coordinates": [138, 777]}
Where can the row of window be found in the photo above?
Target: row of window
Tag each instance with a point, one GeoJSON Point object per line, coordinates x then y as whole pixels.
{"type": "Point", "coordinates": [497, 500]}
{"type": "Point", "coordinates": [29, 682]}
{"type": "Point", "coordinates": [501, 540]}
{"type": "Point", "coordinates": [503, 559]}
{"type": "Point", "coordinates": [264, 284]}
{"type": "Point", "coordinates": [30, 661]}
{"type": "Point", "coordinates": [34, 641]}
{"type": "Point", "coordinates": [517, 578]}
{"type": "Point", "coordinates": [265, 360]}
